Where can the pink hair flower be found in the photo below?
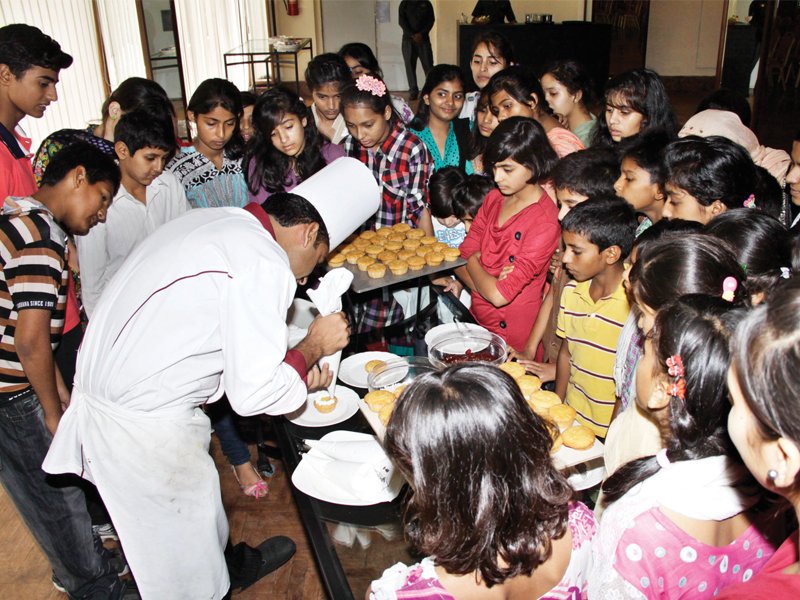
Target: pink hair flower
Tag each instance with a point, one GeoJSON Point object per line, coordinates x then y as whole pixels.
{"type": "Point", "coordinates": [729, 286]}
{"type": "Point", "coordinates": [750, 202]}
{"type": "Point", "coordinates": [675, 366]}
{"type": "Point", "coordinates": [373, 85]}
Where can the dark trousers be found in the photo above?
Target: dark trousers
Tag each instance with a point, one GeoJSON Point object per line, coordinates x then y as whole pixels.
{"type": "Point", "coordinates": [412, 51]}
{"type": "Point", "coordinates": [55, 514]}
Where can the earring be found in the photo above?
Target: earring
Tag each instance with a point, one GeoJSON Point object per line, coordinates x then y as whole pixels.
{"type": "Point", "coordinates": [772, 475]}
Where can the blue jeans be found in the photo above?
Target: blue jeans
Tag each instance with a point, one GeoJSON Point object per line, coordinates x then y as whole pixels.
{"type": "Point", "coordinates": [233, 446]}
{"type": "Point", "coordinates": [55, 514]}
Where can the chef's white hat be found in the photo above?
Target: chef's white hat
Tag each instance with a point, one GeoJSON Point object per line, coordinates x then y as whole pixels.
{"type": "Point", "coordinates": [345, 193]}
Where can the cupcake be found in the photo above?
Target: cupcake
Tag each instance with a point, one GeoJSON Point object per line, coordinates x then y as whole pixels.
{"type": "Point", "coordinates": [411, 244]}
{"type": "Point", "coordinates": [428, 240]}
{"type": "Point", "coordinates": [378, 399]}
{"type": "Point", "coordinates": [401, 227]}
{"type": "Point", "coordinates": [373, 250]}
{"type": "Point", "coordinates": [396, 237]}
{"type": "Point", "coordinates": [387, 256]}
{"type": "Point", "coordinates": [416, 263]}
{"type": "Point", "coordinates": [434, 259]}
{"type": "Point", "coordinates": [336, 260]}
{"type": "Point", "coordinates": [325, 404]}
{"type": "Point", "coordinates": [376, 271]}
{"type": "Point", "coordinates": [415, 234]}
{"type": "Point", "coordinates": [451, 254]}
{"type": "Point", "coordinates": [393, 246]}
{"type": "Point", "coordinates": [562, 415]}
{"type": "Point", "coordinates": [405, 254]}
{"type": "Point", "coordinates": [364, 262]}
{"type": "Point", "coordinates": [353, 256]}
{"type": "Point", "coordinates": [398, 267]}
{"type": "Point", "coordinates": [361, 243]}
{"type": "Point", "coordinates": [439, 247]}
{"type": "Point", "coordinates": [384, 232]}
{"type": "Point", "coordinates": [367, 235]}
{"type": "Point", "coordinates": [423, 251]}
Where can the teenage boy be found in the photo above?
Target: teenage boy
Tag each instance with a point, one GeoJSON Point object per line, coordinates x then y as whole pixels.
{"type": "Point", "coordinates": [29, 66]}
{"type": "Point", "coordinates": [76, 191]}
{"type": "Point", "coordinates": [147, 198]}
{"type": "Point", "coordinates": [326, 74]}
{"type": "Point", "coordinates": [590, 172]}
{"type": "Point", "coordinates": [598, 236]}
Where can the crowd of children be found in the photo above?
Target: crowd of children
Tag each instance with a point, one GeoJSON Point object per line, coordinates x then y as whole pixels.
{"type": "Point", "coordinates": [646, 276]}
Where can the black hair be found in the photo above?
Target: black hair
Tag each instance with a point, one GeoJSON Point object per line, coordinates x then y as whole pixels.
{"type": "Point", "coordinates": [215, 92]}
{"type": "Point", "coordinates": [139, 129]}
{"type": "Point", "coordinates": [524, 141]}
{"type": "Point", "coordinates": [574, 76]}
{"type": "Point", "coordinates": [605, 221]}
{"type": "Point", "coordinates": [590, 172]}
{"type": "Point", "coordinates": [468, 197]}
{"type": "Point", "coordinates": [520, 83]}
{"type": "Point", "coordinates": [327, 68]}
{"type": "Point", "coordinates": [266, 167]}
{"type": "Point", "coordinates": [761, 244]}
{"type": "Point", "coordinates": [477, 506]}
{"type": "Point", "coordinates": [351, 95]}
{"type": "Point", "coordinates": [797, 136]}
{"type": "Point", "coordinates": [666, 228]}
{"type": "Point", "coordinates": [643, 91]}
{"type": "Point", "coordinates": [290, 210]}
{"type": "Point", "coordinates": [436, 76]}
{"type": "Point", "coordinates": [454, 193]}
{"type": "Point", "coordinates": [768, 194]}
{"type": "Point", "coordinates": [364, 55]}
{"type": "Point", "coordinates": [138, 93]}
{"type": "Point", "coordinates": [710, 169]}
{"type": "Point", "coordinates": [697, 328]}
{"type": "Point", "coordinates": [477, 141]}
{"type": "Point", "coordinates": [665, 270]}
{"type": "Point", "coordinates": [647, 151]}
{"type": "Point", "coordinates": [499, 47]}
{"type": "Point", "coordinates": [23, 47]}
{"type": "Point", "coordinates": [248, 99]}
{"type": "Point", "coordinates": [725, 99]}
{"type": "Point", "coordinates": [99, 166]}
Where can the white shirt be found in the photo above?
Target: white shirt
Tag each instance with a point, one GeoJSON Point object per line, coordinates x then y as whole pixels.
{"type": "Point", "coordinates": [103, 250]}
{"type": "Point", "coordinates": [339, 128]}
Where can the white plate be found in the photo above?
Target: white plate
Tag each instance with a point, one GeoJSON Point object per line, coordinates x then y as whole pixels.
{"type": "Point", "coordinates": [308, 416]}
{"type": "Point", "coordinates": [352, 372]}
{"type": "Point", "coordinates": [448, 328]}
{"type": "Point", "coordinates": [312, 481]}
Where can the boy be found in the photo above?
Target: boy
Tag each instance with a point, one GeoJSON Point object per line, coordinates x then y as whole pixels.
{"type": "Point", "coordinates": [29, 66]}
{"type": "Point", "coordinates": [76, 191]}
{"type": "Point", "coordinates": [148, 197]}
{"type": "Point", "coordinates": [590, 172]}
{"type": "Point", "coordinates": [641, 179]}
{"type": "Point", "coordinates": [598, 236]}
{"type": "Point", "coordinates": [325, 76]}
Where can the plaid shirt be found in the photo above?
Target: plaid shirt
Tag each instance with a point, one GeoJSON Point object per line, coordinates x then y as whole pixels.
{"type": "Point", "coordinates": [402, 165]}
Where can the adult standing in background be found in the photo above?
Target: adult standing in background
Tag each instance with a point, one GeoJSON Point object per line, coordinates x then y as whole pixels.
{"type": "Point", "coordinates": [493, 12]}
{"type": "Point", "coordinates": [416, 20]}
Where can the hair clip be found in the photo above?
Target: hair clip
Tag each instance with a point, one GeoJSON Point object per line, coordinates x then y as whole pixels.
{"type": "Point", "coordinates": [750, 202]}
{"type": "Point", "coordinates": [662, 459]}
{"type": "Point", "coordinates": [678, 389]}
{"type": "Point", "coordinates": [675, 365]}
{"type": "Point", "coordinates": [785, 272]}
{"type": "Point", "coordinates": [729, 286]}
{"type": "Point", "coordinates": [373, 85]}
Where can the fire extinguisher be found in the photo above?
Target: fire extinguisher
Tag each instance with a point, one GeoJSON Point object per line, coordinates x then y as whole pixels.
{"type": "Point", "coordinates": [292, 7]}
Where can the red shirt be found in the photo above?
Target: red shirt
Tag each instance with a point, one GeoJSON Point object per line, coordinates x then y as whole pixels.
{"type": "Point", "coordinates": [770, 583]}
{"type": "Point", "coordinates": [527, 240]}
{"type": "Point", "coordinates": [16, 173]}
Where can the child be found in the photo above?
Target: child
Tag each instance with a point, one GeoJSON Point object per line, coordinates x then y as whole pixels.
{"type": "Point", "coordinates": [511, 524]}
{"type": "Point", "coordinates": [763, 425]}
{"type": "Point", "coordinates": [598, 235]}
{"type": "Point", "coordinates": [635, 101]}
{"type": "Point", "coordinates": [516, 91]}
{"type": "Point", "coordinates": [436, 122]}
{"type": "Point", "coordinates": [211, 169]}
{"type": "Point", "coordinates": [326, 74]}
{"type": "Point", "coordinates": [29, 66]}
{"type": "Point", "coordinates": [147, 199]}
{"type": "Point", "coordinates": [705, 177]}
{"type": "Point", "coordinates": [485, 123]}
{"type": "Point", "coordinates": [491, 53]}
{"type": "Point", "coordinates": [793, 183]}
{"type": "Point", "coordinates": [682, 524]}
{"type": "Point", "coordinates": [76, 191]}
{"type": "Point", "coordinates": [361, 61]}
{"type": "Point", "coordinates": [246, 121]}
{"type": "Point", "coordinates": [641, 179]}
{"type": "Point", "coordinates": [517, 224]}
{"type": "Point", "coordinates": [286, 147]}
{"type": "Point", "coordinates": [569, 91]}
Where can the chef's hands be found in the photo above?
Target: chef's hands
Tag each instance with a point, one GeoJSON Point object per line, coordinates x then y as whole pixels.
{"type": "Point", "coordinates": [326, 335]}
{"type": "Point", "coordinates": [319, 379]}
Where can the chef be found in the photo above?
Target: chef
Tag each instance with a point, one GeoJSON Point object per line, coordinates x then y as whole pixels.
{"type": "Point", "coordinates": [199, 310]}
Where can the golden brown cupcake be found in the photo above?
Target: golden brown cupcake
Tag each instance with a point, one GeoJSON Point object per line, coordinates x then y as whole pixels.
{"type": "Point", "coordinates": [385, 413]}
{"type": "Point", "coordinates": [529, 384]}
{"type": "Point", "coordinates": [384, 232]}
{"type": "Point", "coordinates": [451, 254]}
{"type": "Point", "coordinates": [364, 262]}
{"type": "Point", "coordinates": [411, 244]}
{"type": "Point", "coordinates": [398, 267]}
{"type": "Point", "coordinates": [367, 235]}
{"type": "Point", "coordinates": [541, 401]}
{"type": "Point", "coordinates": [354, 255]}
{"type": "Point", "coordinates": [514, 369]}
{"type": "Point", "coordinates": [376, 271]}
{"type": "Point", "coordinates": [373, 250]}
{"type": "Point", "coordinates": [393, 246]}
{"type": "Point", "coordinates": [325, 404]}
{"type": "Point", "coordinates": [371, 365]}
{"type": "Point", "coordinates": [405, 254]}
{"type": "Point", "coordinates": [578, 437]}
{"type": "Point", "coordinates": [398, 390]}
{"type": "Point", "coordinates": [562, 415]}
{"type": "Point", "coordinates": [423, 251]}
{"type": "Point", "coordinates": [415, 234]}
{"type": "Point", "coordinates": [378, 399]}
{"type": "Point", "coordinates": [396, 237]}
{"type": "Point", "coordinates": [387, 256]}
{"type": "Point", "coordinates": [361, 243]}
{"type": "Point", "coordinates": [401, 227]}
{"type": "Point", "coordinates": [439, 247]}
{"type": "Point", "coordinates": [416, 263]}
{"type": "Point", "coordinates": [434, 259]}
{"type": "Point", "coordinates": [428, 240]}
{"type": "Point", "coordinates": [336, 260]}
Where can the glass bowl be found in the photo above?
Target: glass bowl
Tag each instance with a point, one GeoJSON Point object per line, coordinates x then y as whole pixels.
{"type": "Point", "coordinates": [398, 371]}
{"type": "Point", "coordinates": [468, 346]}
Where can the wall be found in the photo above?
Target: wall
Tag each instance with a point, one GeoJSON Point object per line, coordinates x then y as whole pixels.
{"type": "Point", "coordinates": [307, 24]}
{"type": "Point", "coordinates": [683, 37]}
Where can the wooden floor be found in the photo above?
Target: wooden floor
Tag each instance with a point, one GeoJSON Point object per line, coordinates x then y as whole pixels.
{"type": "Point", "coordinates": [25, 573]}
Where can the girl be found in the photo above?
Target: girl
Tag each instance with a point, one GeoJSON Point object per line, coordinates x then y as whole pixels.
{"type": "Point", "coordinates": [485, 123]}
{"type": "Point", "coordinates": [705, 177]}
{"type": "Point", "coordinates": [246, 122]}
{"type": "Point", "coordinates": [568, 90]}
{"type": "Point", "coordinates": [635, 101]}
{"type": "Point", "coordinates": [692, 493]}
{"type": "Point", "coordinates": [361, 61]}
{"type": "Point", "coordinates": [491, 523]}
{"type": "Point", "coordinates": [491, 53]}
{"type": "Point", "coordinates": [436, 122]}
{"type": "Point", "coordinates": [211, 169]}
{"type": "Point", "coordinates": [518, 225]}
{"type": "Point", "coordinates": [761, 244]}
{"type": "Point", "coordinates": [763, 425]}
{"type": "Point", "coordinates": [326, 74]}
{"type": "Point", "coordinates": [516, 92]}
{"type": "Point", "coordinates": [286, 147]}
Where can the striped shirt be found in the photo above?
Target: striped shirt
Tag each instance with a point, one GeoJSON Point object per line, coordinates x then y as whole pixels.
{"type": "Point", "coordinates": [34, 275]}
{"type": "Point", "coordinates": [591, 330]}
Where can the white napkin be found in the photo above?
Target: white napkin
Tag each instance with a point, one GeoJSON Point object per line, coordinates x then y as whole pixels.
{"type": "Point", "coordinates": [358, 479]}
{"type": "Point", "coordinates": [328, 300]}
{"type": "Point", "coordinates": [355, 451]}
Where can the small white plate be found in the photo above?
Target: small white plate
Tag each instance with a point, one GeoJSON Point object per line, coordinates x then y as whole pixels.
{"type": "Point", "coordinates": [308, 416]}
{"type": "Point", "coordinates": [448, 328]}
{"type": "Point", "coordinates": [352, 371]}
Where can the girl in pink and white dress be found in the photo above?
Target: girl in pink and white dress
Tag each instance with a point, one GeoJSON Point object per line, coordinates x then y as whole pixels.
{"type": "Point", "coordinates": [490, 512]}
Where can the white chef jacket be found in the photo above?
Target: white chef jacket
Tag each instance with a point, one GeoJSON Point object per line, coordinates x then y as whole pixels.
{"type": "Point", "coordinates": [198, 309]}
{"type": "Point", "coordinates": [103, 250]}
